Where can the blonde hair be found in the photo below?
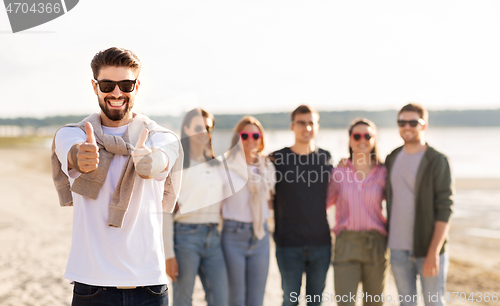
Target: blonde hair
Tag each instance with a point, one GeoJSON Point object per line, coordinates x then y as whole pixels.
{"type": "Point", "coordinates": [239, 127]}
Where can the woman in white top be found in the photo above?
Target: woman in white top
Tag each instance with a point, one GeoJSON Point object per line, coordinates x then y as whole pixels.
{"type": "Point", "coordinates": [191, 237]}
{"type": "Point", "coordinates": [245, 237]}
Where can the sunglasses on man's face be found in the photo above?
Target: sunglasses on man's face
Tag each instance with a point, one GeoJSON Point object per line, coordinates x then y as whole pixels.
{"type": "Point", "coordinates": [107, 86]}
{"type": "Point", "coordinates": [357, 136]}
{"type": "Point", "coordinates": [199, 128]}
{"type": "Point", "coordinates": [247, 135]}
{"type": "Point", "coordinates": [413, 123]}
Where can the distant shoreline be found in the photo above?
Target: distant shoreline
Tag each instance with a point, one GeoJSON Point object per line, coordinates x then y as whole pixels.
{"type": "Point", "coordinates": [281, 120]}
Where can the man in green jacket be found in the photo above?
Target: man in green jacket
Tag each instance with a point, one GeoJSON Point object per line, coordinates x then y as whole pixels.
{"type": "Point", "coordinates": [419, 206]}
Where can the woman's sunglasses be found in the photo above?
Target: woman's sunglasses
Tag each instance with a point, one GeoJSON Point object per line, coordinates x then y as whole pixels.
{"type": "Point", "coordinates": [246, 135]}
{"type": "Point", "coordinates": [358, 136]}
{"type": "Point", "coordinates": [199, 128]}
{"type": "Point", "coordinates": [413, 123]}
{"type": "Point", "coordinates": [107, 86]}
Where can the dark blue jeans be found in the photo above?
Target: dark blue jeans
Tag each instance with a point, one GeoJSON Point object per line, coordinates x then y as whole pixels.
{"type": "Point", "coordinates": [293, 262]}
{"type": "Point", "coordinates": [87, 295]}
{"type": "Point", "coordinates": [247, 260]}
{"type": "Point", "coordinates": [199, 252]}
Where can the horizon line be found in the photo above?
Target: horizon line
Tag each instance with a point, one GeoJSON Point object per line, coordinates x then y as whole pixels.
{"type": "Point", "coordinates": [263, 113]}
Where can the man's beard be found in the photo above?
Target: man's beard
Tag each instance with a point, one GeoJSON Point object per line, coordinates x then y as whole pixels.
{"type": "Point", "coordinates": [412, 138]}
{"type": "Point", "coordinates": [115, 114]}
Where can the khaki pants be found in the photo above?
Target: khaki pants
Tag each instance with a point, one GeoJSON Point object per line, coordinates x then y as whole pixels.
{"type": "Point", "coordinates": [360, 257]}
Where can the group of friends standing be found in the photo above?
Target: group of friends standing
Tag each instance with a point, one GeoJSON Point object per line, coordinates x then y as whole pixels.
{"type": "Point", "coordinates": [214, 223]}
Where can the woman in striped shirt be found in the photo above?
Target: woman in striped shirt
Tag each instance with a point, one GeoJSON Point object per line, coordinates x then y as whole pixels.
{"type": "Point", "coordinates": [357, 190]}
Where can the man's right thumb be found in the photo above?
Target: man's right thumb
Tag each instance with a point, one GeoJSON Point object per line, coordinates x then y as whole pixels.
{"type": "Point", "coordinates": [142, 139]}
{"type": "Point", "coordinates": [89, 130]}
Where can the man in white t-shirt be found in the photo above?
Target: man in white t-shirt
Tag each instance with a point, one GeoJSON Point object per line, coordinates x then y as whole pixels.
{"type": "Point", "coordinates": [118, 165]}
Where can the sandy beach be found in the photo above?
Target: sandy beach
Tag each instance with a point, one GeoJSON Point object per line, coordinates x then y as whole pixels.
{"type": "Point", "coordinates": [35, 238]}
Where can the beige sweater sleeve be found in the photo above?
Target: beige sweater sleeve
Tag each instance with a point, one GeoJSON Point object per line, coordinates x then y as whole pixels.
{"type": "Point", "coordinates": [168, 234]}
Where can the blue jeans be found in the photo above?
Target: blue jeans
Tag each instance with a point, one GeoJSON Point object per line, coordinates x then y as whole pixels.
{"type": "Point", "coordinates": [406, 267]}
{"type": "Point", "coordinates": [293, 262]}
{"type": "Point", "coordinates": [198, 252]}
{"type": "Point", "coordinates": [247, 260]}
{"type": "Point", "coordinates": [86, 295]}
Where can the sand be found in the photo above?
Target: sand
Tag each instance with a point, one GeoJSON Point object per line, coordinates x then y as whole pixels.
{"type": "Point", "coordinates": [35, 238]}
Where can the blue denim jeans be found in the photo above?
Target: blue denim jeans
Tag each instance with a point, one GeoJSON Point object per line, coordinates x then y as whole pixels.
{"type": "Point", "coordinates": [293, 262]}
{"type": "Point", "coordinates": [198, 252]}
{"type": "Point", "coordinates": [247, 261]}
{"type": "Point", "coordinates": [406, 267]}
{"type": "Point", "coordinates": [87, 295]}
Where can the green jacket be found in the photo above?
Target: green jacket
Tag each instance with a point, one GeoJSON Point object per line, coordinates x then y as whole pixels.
{"type": "Point", "coordinates": [433, 196]}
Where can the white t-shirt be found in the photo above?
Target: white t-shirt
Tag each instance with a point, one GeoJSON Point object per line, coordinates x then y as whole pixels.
{"type": "Point", "coordinates": [107, 256]}
{"type": "Point", "coordinates": [237, 207]}
{"type": "Point", "coordinates": [202, 193]}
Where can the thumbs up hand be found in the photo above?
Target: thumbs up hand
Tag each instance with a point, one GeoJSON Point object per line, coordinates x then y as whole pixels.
{"type": "Point", "coordinates": [88, 152]}
{"type": "Point", "coordinates": [148, 162]}
{"type": "Point", "coordinates": [140, 148]}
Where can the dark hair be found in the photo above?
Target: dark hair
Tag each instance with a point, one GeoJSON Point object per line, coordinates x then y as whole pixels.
{"type": "Point", "coordinates": [374, 153]}
{"type": "Point", "coordinates": [117, 57]}
{"type": "Point", "coordinates": [303, 109]}
{"type": "Point", "coordinates": [417, 108]}
{"type": "Point", "coordinates": [239, 127]}
{"type": "Point", "coordinates": [186, 146]}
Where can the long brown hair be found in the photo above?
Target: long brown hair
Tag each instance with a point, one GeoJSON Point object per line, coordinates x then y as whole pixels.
{"type": "Point", "coordinates": [374, 155]}
{"type": "Point", "coordinates": [208, 153]}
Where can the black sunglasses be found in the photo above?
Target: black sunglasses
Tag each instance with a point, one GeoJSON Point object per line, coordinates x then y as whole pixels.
{"type": "Point", "coordinates": [107, 86]}
{"type": "Point", "coordinates": [199, 128]}
{"type": "Point", "coordinates": [413, 123]}
{"type": "Point", "coordinates": [357, 136]}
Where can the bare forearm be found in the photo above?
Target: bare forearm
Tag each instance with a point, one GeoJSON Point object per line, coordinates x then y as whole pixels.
{"type": "Point", "coordinates": [440, 231]}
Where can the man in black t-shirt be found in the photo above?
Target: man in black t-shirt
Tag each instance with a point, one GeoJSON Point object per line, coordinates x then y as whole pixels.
{"type": "Point", "coordinates": [302, 234]}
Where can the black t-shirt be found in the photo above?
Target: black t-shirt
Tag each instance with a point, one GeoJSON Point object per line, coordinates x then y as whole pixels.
{"type": "Point", "coordinates": [300, 200]}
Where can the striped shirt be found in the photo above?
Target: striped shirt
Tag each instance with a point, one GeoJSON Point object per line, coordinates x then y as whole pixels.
{"type": "Point", "coordinates": [358, 202]}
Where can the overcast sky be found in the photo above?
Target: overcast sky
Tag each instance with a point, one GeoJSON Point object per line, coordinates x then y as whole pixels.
{"type": "Point", "coordinates": [260, 56]}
